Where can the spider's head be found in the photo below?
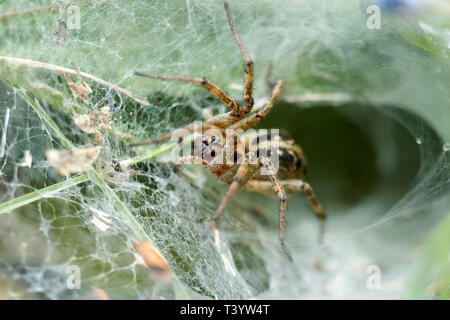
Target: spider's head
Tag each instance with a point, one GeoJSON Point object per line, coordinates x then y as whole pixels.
{"type": "Point", "coordinates": [211, 147]}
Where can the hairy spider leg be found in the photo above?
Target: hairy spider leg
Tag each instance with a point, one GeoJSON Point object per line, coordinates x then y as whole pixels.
{"type": "Point", "coordinates": [294, 185]}
{"type": "Point", "coordinates": [256, 118]}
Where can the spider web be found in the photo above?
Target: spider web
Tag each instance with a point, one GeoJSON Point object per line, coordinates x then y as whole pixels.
{"type": "Point", "coordinates": [389, 85]}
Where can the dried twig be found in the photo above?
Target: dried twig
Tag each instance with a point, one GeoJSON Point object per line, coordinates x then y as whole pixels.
{"type": "Point", "coordinates": [20, 12]}
{"type": "Point", "coordinates": [48, 66]}
{"type": "Point", "coordinates": [27, 10]}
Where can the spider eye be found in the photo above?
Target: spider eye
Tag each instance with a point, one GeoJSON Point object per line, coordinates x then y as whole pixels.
{"type": "Point", "coordinates": [213, 153]}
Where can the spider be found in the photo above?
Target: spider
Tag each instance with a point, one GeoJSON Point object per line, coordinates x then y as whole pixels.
{"type": "Point", "coordinates": [245, 149]}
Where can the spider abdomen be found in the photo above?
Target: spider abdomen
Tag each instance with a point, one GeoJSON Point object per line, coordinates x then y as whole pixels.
{"type": "Point", "coordinates": [292, 162]}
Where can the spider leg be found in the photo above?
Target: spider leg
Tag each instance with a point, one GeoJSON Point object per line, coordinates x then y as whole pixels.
{"type": "Point", "coordinates": [295, 185]}
{"type": "Point", "coordinates": [242, 177]}
{"type": "Point", "coordinates": [211, 87]}
{"type": "Point", "coordinates": [281, 194]}
{"type": "Point", "coordinates": [219, 121]}
{"type": "Point", "coordinates": [237, 112]}
{"type": "Point", "coordinates": [186, 130]}
{"type": "Point", "coordinates": [225, 119]}
{"type": "Point", "coordinates": [256, 118]}
{"type": "Point", "coordinates": [235, 184]}
{"type": "Point", "coordinates": [151, 141]}
{"type": "Point", "coordinates": [190, 159]}
{"type": "Point", "coordinates": [249, 68]}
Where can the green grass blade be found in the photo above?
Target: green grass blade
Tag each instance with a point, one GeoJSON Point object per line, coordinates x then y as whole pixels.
{"type": "Point", "coordinates": [46, 192]}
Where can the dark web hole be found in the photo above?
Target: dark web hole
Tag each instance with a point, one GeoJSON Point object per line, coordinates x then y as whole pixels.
{"type": "Point", "coordinates": [355, 150]}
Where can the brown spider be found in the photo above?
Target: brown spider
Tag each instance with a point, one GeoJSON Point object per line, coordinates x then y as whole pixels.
{"type": "Point", "coordinates": [245, 149]}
